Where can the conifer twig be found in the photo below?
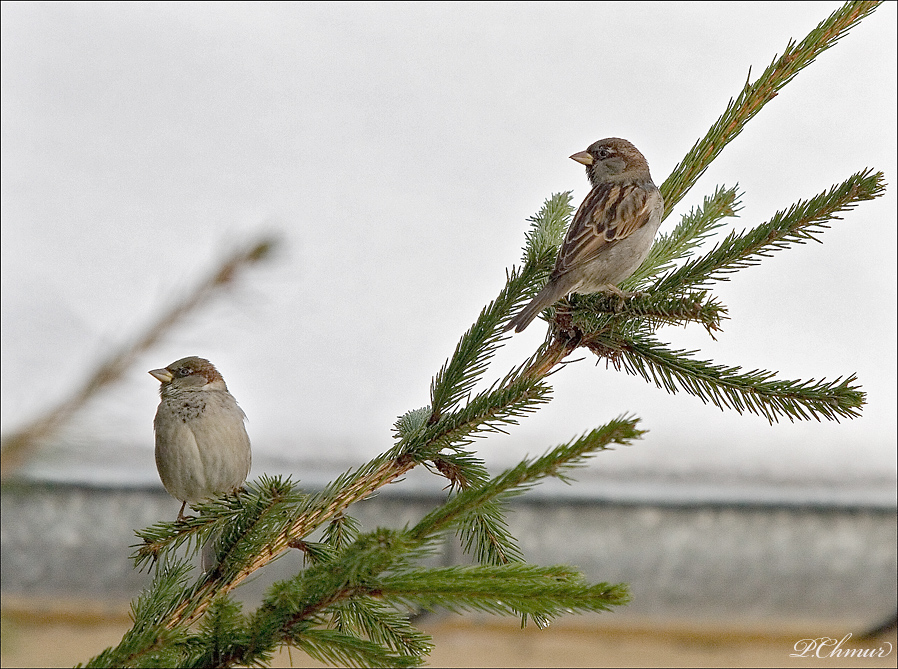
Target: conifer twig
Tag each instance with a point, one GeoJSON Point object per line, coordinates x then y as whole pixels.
{"type": "Point", "coordinates": [803, 221]}
{"type": "Point", "coordinates": [755, 95]}
{"type": "Point", "coordinates": [469, 361]}
{"type": "Point", "coordinates": [210, 585]}
{"type": "Point", "coordinates": [688, 235]}
{"type": "Point", "coordinates": [756, 391]}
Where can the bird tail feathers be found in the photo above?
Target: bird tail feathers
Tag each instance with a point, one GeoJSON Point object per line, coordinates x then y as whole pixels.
{"type": "Point", "coordinates": [549, 295]}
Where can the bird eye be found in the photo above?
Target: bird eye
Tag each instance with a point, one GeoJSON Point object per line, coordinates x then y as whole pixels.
{"type": "Point", "coordinates": [181, 372]}
{"type": "Point", "coordinates": [604, 153]}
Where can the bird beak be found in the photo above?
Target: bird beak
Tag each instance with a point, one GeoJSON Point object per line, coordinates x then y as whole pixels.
{"type": "Point", "coordinates": [162, 374]}
{"type": "Point", "coordinates": [583, 158]}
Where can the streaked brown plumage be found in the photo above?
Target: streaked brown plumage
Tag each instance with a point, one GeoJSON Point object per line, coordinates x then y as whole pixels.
{"type": "Point", "coordinates": [612, 231]}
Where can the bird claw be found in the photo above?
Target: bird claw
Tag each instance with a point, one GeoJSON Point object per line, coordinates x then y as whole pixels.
{"type": "Point", "coordinates": [622, 296]}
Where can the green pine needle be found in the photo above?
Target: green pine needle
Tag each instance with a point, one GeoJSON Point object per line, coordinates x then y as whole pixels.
{"type": "Point", "coordinates": [345, 650]}
{"type": "Point", "coordinates": [484, 533]}
{"type": "Point", "coordinates": [754, 96]}
{"type": "Point", "coordinates": [507, 590]}
{"type": "Point", "coordinates": [464, 369]}
{"type": "Point", "coordinates": [380, 624]}
{"type": "Point", "coordinates": [557, 462]}
{"type": "Point", "coordinates": [803, 221]}
{"type": "Point", "coordinates": [547, 230]}
{"type": "Point", "coordinates": [341, 531]}
{"type": "Point", "coordinates": [757, 392]}
{"type": "Point", "coordinates": [603, 313]}
{"type": "Point", "coordinates": [691, 231]}
{"type": "Point", "coordinates": [490, 411]}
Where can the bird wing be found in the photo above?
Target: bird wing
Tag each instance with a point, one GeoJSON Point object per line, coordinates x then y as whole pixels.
{"type": "Point", "coordinates": [611, 212]}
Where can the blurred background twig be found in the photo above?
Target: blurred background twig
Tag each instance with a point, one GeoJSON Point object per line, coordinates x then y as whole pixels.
{"type": "Point", "coordinates": [15, 448]}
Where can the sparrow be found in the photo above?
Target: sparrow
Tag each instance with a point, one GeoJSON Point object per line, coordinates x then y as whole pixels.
{"type": "Point", "coordinates": [202, 449]}
{"type": "Point", "coordinates": [612, 231]}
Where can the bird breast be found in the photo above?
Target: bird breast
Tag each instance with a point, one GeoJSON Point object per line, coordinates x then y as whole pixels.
{"type": "Point", "coordinates": [202, 448]}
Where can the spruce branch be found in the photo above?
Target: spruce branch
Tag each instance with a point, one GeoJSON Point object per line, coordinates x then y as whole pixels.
{"type": "Point", "coordinates": [484, 533]}
{"type": "Point", "coordinates": [756, 391]}
{"type": "Point", "coordinates": [328, 592]}
{"type": "Point", "coordinates": [466, 366]}
{"type": "Point", "coordinates": [365, 568]}
{"type": "Point", "coordinates": [362, 632]}
{"type": "Point", "coordinates": [755, 95]}
{"type": "Point", "coordinates": [547, 230]}
{"type": "Point", "coordinates": [149, 642]}
{"type": "Point", "coordinates": [285, 525]}
{"type": "Point", "coordinates": [599, 312]}
{"type": "Point", "coordinates": [692, 230]}
{"type": "Point", "coordinates": [345, 650]}
{"type": "Point", "coordinates": [509, 589]}
{"type": "Point", "coordinates": [462, 468]}
{"type": "Point", "coordinates": [515, 481]}
{"type": "Point", "coordinates": [502, 404]}
{"type": "Point", "coordinates": [223, 629]}
{"type": "Point", "coordinates": [381, 624]}
{"type": "Point", "coordinates": [248, 511]}
{"type": "Point", "coordinates": [376, 564]}
{"type": "Point", "coordinates": [462, 371]}
{"type": "Point", "coordinates": [410, 424]}
{"type": "Point", "coordinates": [341, 531]}
{"type": "Point", "coordinates": [803, 221]}
{"type": "Point", "coordinates": [482, 526]}
{"type": "Point", "coordinates": [314, 552]}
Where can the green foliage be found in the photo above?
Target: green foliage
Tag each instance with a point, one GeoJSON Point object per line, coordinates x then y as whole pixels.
{"type": "Point", "coordinates": [515, 588]}
{"type": "Point", "coordinates": [556, 462]}
{"type": "Point", "coordinates": [149, 643]}
{"type": "Point", "coordinates": [484, 534]}
{"type": "Point", "coordinates": [691, 231]}
{"type": "Point", "coordinates": [346, 604]}
{"type": "Point", "coordinates": [467, 365]}
{"type": "Point", "coordinates": [348, 650]}
{"type": "Point", "coordinates": [350, 603]}
{"type": "Point", "coordinates": [755, 391]}
{"type": "Point", "coordinates": [803, 221]}
{"type": "Point", "coordinates": [755, 95]}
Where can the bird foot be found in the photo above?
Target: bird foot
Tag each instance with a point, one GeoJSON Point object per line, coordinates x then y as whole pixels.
{"type": "Point", "coordinates": [621, 295]}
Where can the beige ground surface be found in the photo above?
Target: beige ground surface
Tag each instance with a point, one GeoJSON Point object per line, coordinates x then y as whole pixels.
{"type": "Point", "coordinates": [48, 636]}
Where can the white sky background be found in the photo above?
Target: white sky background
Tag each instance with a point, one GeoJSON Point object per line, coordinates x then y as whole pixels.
{"type": "Point", "coordinates": [400, 149]}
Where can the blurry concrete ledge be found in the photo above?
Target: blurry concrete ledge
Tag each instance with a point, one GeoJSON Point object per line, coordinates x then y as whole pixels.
{"type": "Point", "coordinates": [757, 565]}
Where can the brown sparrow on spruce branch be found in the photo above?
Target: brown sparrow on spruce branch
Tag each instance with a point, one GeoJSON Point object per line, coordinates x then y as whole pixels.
{"type": "Point", "coordinates": [612, 231]}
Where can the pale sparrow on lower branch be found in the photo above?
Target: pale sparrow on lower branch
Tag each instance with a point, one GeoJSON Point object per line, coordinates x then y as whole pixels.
{"type": "Point", "coordinates": [202, 449]}
{"type": "Point", "coordinates": [612, 231]}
